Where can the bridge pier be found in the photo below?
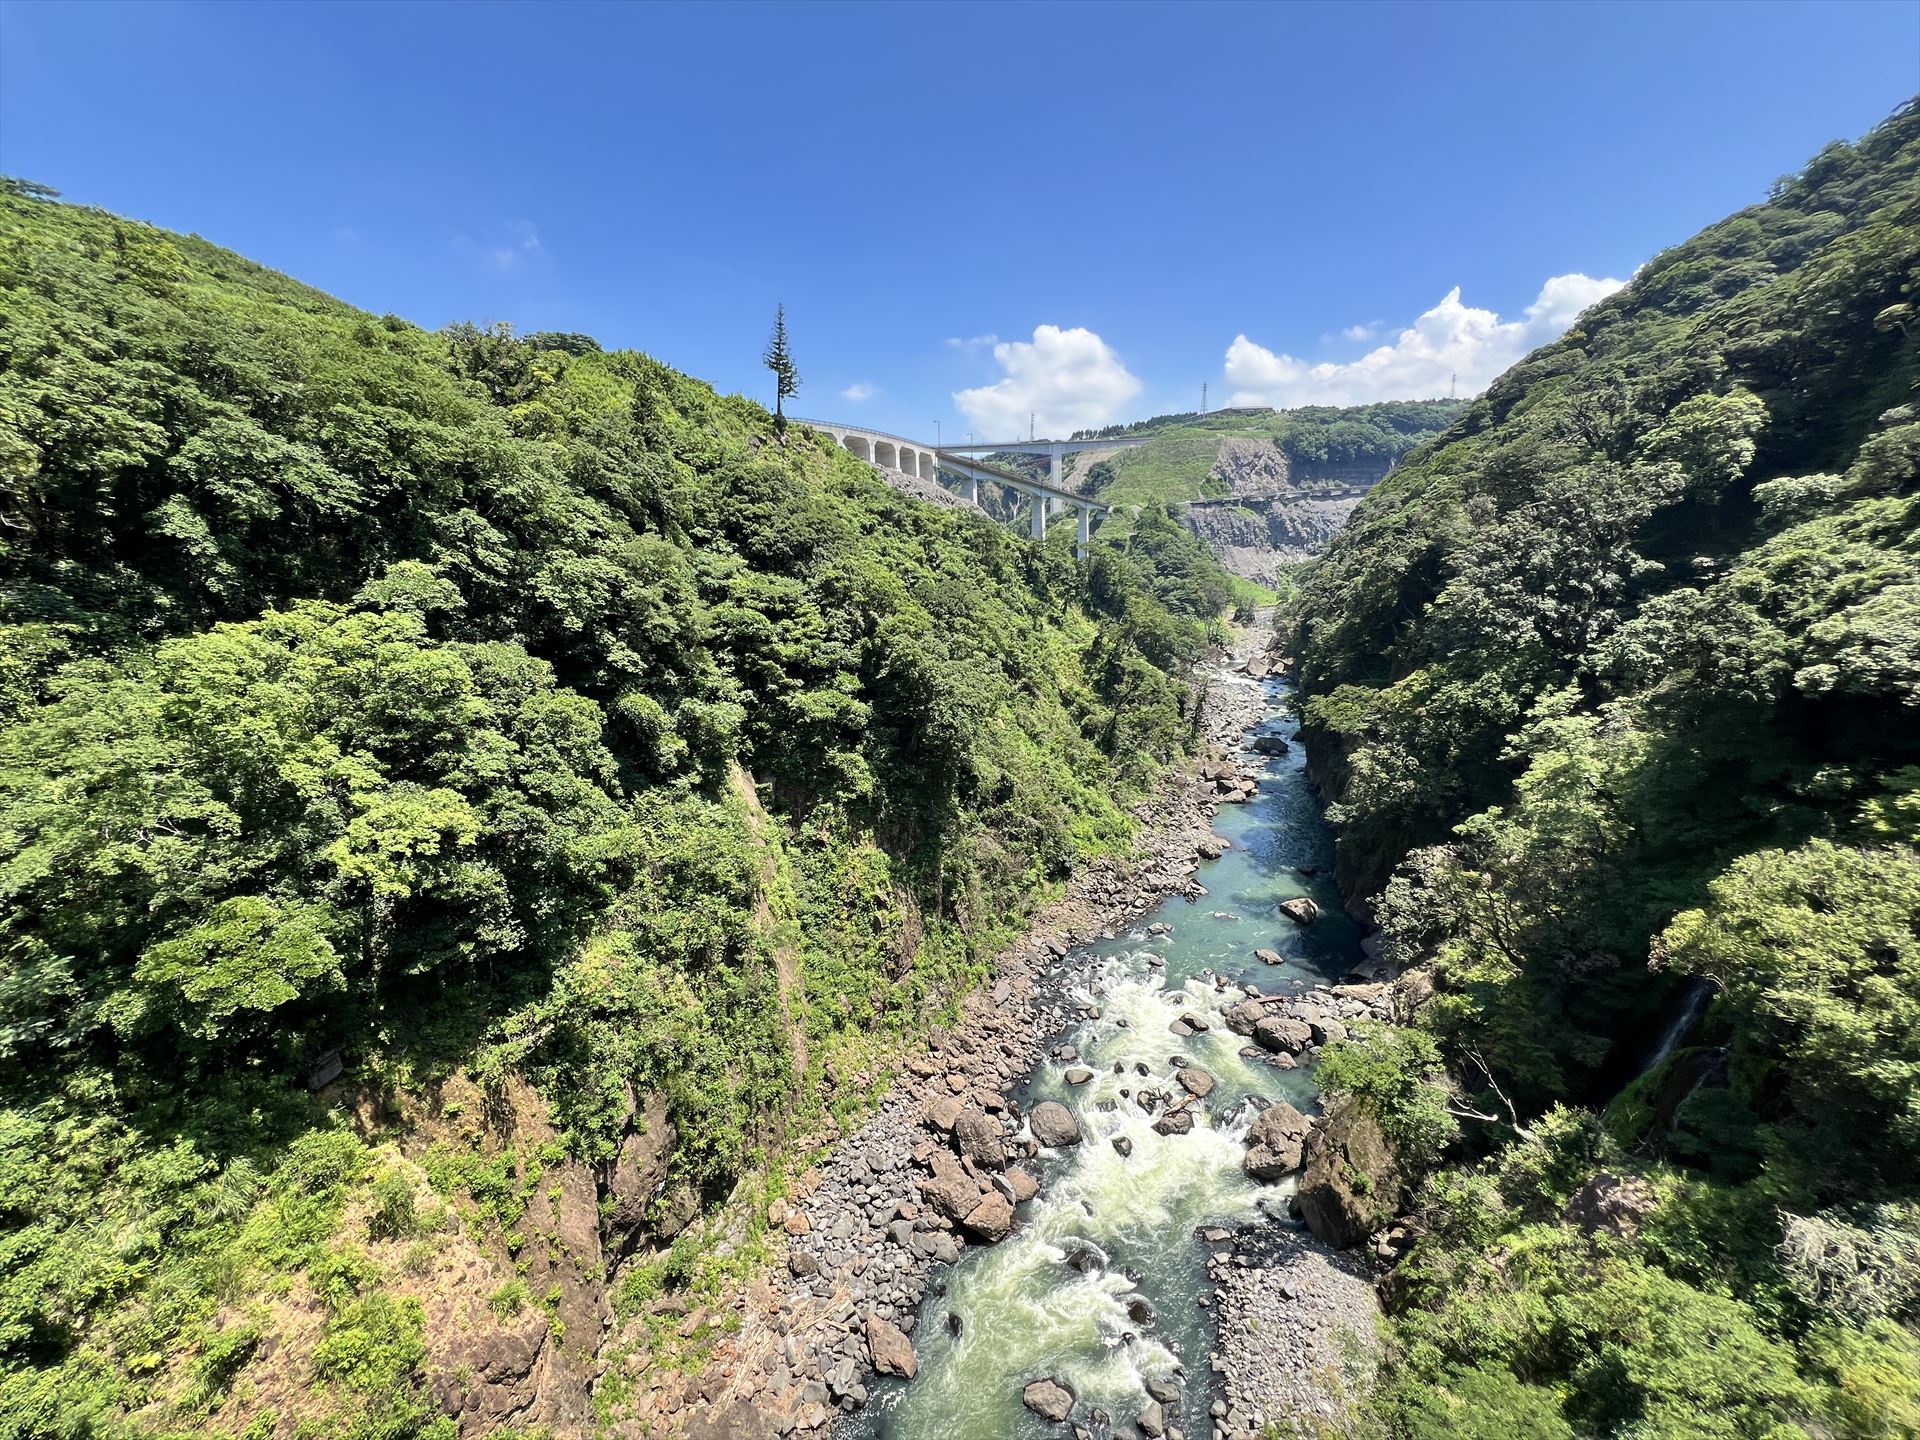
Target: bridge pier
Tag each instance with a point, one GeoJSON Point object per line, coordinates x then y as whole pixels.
{"type": "Point", "coordinates": [1086, 531]}
{"type": "Point", "coordinates": [1038, 520]}
{"type": "Point", "coordinates": [970, 487]}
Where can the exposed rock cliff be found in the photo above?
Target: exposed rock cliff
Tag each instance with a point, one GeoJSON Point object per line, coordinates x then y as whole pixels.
{"type": "Point", "coordinates": [1255, 537]}
{"type": "Point", "coordinates": [1277, 511]}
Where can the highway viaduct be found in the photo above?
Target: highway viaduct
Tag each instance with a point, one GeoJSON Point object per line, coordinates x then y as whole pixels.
{"type": "Point", "coordinates": [916, 458]}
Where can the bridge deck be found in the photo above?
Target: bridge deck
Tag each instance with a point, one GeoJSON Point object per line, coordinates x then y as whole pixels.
{"type": "Point", "coordinates": [967, 464]}
{"type": "Point", "coordinates": [954, 458]}
{"type": "Point", "coordinates": [1047, 447]}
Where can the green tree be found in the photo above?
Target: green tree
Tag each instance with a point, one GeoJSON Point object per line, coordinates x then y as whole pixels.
{"type": "Point", "coordinates": [779, 359]}
{"type": "Point", "coordinates": [1818, 952]}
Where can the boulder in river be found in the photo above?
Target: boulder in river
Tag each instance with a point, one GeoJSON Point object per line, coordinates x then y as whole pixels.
{"type": "Point", "coordinates": [1243, 1017]}
{"type": "Point", "coordinates": [1152, 1421]}
{"type": "Point", "coordinates": [889, 1350]}
{"type": "Point", "coordinates": [1020, 1184]}
{"type": "Point", "coordinates": [1270, 957]}
{"type": "Point", "coordinates": [1212, 847]}
{"type": "Point", "coordinates": [1352, 1184]}
{"type": "Point", "coordinates": [1174, 1122]}
{"type": "Point", "coordinates": [1123, 1146]}
{"type": "Point", "coordinates": [1053, 1125]}
{"type": "Point", "coordinates": [979, 1138]}
{"type": "Point", "coordinates": [1050, 1399]}
{"type": "Point", "coordinates": [1270, 745]}
{"type": "Point", "coordinates": [1275, 1142]}
{"type": "Point", "coordinates": [992, 1219]}
{"type": "Point", "coordinates": [1079, 1075]}
{"type": "Point", "coordinates": [1195, 1081]}
{"type": "Point", "coordinates": [1300, 910]}
{"type": "Point", "coordinates": [1282, 1034]}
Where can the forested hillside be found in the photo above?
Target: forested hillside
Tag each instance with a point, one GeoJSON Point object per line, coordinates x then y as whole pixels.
{"type": "Point", "coordinates": [466, 710]}
{"type": "Point", "coordinates": [1617, 689]}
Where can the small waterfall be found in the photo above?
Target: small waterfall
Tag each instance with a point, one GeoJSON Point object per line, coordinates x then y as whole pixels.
{"type": "Point", "coordinates": [1695, 996]}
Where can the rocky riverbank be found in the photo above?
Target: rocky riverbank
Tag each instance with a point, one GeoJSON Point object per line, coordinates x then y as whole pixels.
{"type": "Point", "coordinates": [865, 1229]}
{"type": "Point", "coordinates": [1297, 1331]}
{"type": "Point", "coordinates": [945, 1158]}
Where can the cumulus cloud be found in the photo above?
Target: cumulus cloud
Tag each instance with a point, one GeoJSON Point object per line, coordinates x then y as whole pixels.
{"type": "Point", "coordinates": [1067, 379]}
{"type": "Point", "coordinates": [1420, 363]}
{"type": "Point", "coordinates": [1361, 332]}
{"type": "Point", "coordinates": [506, 250]}
{"type": "Point", "coordinates": [859, 390]}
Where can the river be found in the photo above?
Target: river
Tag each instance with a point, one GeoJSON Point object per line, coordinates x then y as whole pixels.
{"type": "Point", "coordinates": [1099, 1286]}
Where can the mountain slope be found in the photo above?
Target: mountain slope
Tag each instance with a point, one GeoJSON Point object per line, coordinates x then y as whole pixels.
{"type": "Point", "coordinates": [1616, 687]}
{"type": "Point", "coordinates": [593, 775]}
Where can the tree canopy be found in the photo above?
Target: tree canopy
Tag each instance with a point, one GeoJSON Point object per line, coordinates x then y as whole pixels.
{"type": "Point", "coordinates": [1616, 688]}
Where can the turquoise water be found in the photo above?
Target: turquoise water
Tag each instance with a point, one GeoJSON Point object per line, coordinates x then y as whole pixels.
{"type": "Point", "coordinates": [1099, 1284]}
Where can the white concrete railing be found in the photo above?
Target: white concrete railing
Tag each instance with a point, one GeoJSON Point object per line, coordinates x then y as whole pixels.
{"type": "Point", "coordinates": [915, 457]}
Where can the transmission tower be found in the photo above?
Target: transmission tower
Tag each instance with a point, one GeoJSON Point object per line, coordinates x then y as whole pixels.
{"type": "Point", "coordinates": [1453, 386]}
{"type": "Point", "coordinates": [1203, 397]}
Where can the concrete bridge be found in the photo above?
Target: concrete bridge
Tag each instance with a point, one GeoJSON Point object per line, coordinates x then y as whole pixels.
{"type": "Point", "coordinates": [1054, 450]}
{"type": "Point", "coordinates": [915, 457]}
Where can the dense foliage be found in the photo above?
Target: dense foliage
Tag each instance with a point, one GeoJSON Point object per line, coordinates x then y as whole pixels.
{"type": "Point", "coordinates": [1617, 687]}
{"type": "Point", "coordinates": [454, 702]}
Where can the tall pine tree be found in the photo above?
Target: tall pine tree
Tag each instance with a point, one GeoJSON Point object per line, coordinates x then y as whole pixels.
{"type": "Point", "coordinates": [786, 379]}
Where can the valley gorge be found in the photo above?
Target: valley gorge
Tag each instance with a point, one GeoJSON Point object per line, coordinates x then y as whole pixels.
{"type": "Point", "coordinates": [544, 901]}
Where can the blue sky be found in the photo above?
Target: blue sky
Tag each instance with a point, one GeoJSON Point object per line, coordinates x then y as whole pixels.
{"type": "Point", "coordinates": [1291, 203]}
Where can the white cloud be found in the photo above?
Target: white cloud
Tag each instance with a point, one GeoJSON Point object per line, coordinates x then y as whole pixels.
{"type": "Point", "coordinates": [505, 250]}
{"type": "Point", "coordinates": [972, 342]}
{"type": "Point", "coordinates": [1067, 379]}
{"type": "Point", "coordinates": [859, 390]}
{"type": "Point", "coordinates": [1361, 332]}
{"type": "Point", "coordinates": [1450, 339]}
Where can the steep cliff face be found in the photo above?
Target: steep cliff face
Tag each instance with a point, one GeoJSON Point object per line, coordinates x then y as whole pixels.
{"type": "Point", "coordinates": [1254, 537]}
{"type": "Point", "coordinates": [1279, 510]}
{"type": "Point", "coordinates": [1253, 467]}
